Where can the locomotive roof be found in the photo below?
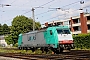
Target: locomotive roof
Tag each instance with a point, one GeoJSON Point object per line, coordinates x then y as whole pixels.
{"type": "Point", "coordinates": [35, 31]}
{"type": "Point", "coordinates": [32, 32]}
{"type": "Point", "coordinates": [44, 29]}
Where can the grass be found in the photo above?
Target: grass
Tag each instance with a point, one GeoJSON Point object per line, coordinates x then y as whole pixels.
{"type": "Point", "coordinates": [81, 49]}
{"type": "Point", "coordinates": [14, 51]}
{"type": "Point", "coordinates": [2, 50]}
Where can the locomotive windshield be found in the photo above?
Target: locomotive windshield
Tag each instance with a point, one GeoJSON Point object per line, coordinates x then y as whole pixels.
{"type": "Point", "coordinates": [63, 31]}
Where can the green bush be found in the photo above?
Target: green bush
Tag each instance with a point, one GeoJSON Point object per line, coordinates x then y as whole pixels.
{"type": "Point", "coordinates": [9, 39]}
{"type": "Point", "coordinates": [82, 41]}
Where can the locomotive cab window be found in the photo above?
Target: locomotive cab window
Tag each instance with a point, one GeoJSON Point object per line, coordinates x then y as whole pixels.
{"type": "Point", "coordinates": [66, 31]}
{"type": "Point", "coordinates": [59, 31]}
{"type": "Point", "coordinates": [50, 32]}
{"type": "Point", "coordinates": [63, 31]}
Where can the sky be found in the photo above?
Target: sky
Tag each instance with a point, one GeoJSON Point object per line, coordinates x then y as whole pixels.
{"type": "Point", "coordinates": [45, 10]}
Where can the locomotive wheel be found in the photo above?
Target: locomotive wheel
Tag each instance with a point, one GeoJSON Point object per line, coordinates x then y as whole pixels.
{"type": "Point", "coordinates": [54, 50]}
{"type": "Point", "coordinates": [19, 48]}
{"type": "Point", "coordinates": [61, 50]}
{"type": "Point", "coordinates": [42, 49]}
{"type": "Point", "coordinates": [25, 48]}
{"type": "Point", "coordinates": [57, 50]}
{"type": "Point", "coordinates": [46, 50]}
{"type": "Point", "coordinates": [33, 49]}
{"type": "Point", "coordinates": [22, 48]}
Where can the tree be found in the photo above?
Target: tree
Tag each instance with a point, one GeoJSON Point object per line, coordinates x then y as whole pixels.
{"type": "Point", "coordinates": [1, 30]}
{"type": "Point", "coordinates": [9, 40]}
{"type": "Point", "coordinates": [6, 29]}
{"type": "Point", "coordinates": [37, 25]}
{"type": "Point", "coordinates": [22, 24]}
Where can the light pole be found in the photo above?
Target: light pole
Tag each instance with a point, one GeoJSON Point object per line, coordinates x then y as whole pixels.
{"type": "Point", "coordinates": [81, 9]}
{"type": "Point", "coordinates": [33, 18]}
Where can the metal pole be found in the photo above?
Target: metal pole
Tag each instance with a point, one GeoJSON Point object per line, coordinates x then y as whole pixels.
{"type": "Point", "coordinates": [33, 18]}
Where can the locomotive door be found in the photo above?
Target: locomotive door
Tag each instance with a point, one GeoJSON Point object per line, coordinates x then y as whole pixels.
{"type": "Point", "coordinates": [49, 37]}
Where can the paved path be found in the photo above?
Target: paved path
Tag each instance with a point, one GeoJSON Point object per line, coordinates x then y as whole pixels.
{"type": "Point", "coordinates": [7, 58]}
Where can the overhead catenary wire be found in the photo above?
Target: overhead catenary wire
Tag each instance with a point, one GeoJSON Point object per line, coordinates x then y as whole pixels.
{"type": "Point", "coordinates": [24, 3]}
{"type": "Point", "coordinates": [62, 10]}
{"type": "Point", "coordinates": [30, 10]}
{"type": "Point", "coordinates": [13, 1]}
{"type": "Point", "coordinates": [64, 6]}
{"type": "Point", "coordinates": [40, 7]}
{"type": "Point", "coordinates": [37, 14]}
{"type": "Point", "coordinates": [46, 3]}
{"type": "Point", "coordinates": [64, 14]}
{"type": "Point", "coordinates": [44, 12]}
{"type": "Point", "coordinates": [51, 10]}
{"type": "Point", "coordinates": [33, 12]}
{"type": "Point", "coordinates": [61, 7]}
{"type": "Point", "coordinates": [20, 6]}
{"type": "Point", "coordinates": [55, 16]}
{"type": "Point", "coordinates": [71, 3]}
{"type": "Point", "coordinates": [26, 12]}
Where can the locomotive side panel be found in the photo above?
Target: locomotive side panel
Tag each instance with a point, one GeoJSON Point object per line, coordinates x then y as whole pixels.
{"type": "Point", "coordinates": [20, 40]}
{"type": "Point", "coordinates": [34, 40]}
{"type": "Point", "coordinates": [40, 40]}
{"type": "Point", "coordinates": [24, 40]}
{"type": "Point", "coordinates": [51, 37]}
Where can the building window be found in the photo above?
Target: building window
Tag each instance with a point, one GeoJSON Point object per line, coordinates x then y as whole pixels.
{"type": "Point", "coordinates": [66, 22]}
{"type": "Point", "coordinates": [88, 27]}
{"type": "Point", "coordinates": [76, 28]}
{"type": "Point", "coordinates": [88, 17]}
{"type": "Point", "coordinates": [75, 21]}
{"type": "Point", "coordinates": [59, 23]}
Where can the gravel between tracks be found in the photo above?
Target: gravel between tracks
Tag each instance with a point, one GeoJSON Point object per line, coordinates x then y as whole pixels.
{"type": "Point", "coordinates": [73, 55]}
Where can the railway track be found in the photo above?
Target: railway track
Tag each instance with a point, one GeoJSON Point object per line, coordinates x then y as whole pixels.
{"type": "Point", "coordinates": [73, 55]}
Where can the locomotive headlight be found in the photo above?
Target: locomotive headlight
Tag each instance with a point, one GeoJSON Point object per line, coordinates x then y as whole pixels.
{"type": "Point", "coordinates": [63, 45]}
{"type": "Point", "coordinates": [72, 45]}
